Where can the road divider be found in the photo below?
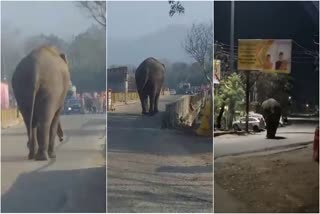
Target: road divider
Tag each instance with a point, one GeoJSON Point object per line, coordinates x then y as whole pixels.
{"type": "Point", "coordinates": [10, 117]}
{"type": "Point", "coordinates": [184, 112]}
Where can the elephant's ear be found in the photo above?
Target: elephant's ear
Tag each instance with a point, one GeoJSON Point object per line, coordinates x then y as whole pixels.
{"type": "Point", "coordinates": [64, 57]}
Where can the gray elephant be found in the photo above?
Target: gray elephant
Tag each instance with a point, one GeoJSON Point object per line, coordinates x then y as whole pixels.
{"type": "Point", "coordinates": [271, 113]}
{"type": "Point", "coordinates": [40, 84]}
{"type": "Point", "coordinates": [149, 80]}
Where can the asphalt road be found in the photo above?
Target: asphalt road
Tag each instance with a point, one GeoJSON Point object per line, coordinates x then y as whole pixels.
{"type": "Point", "coordinates": [74, 182]}
{"type": "Point", "coordinates": [291, 135]}
{"type": "Point", "coordinates": [294, 135]}
{"type": "Point", "coordinates": [156, 170]}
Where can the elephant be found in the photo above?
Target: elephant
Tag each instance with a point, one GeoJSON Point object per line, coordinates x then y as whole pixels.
{"type": "Point", "coordinates": [40, 84]}
{"type": "Point", "coordinates": [149, 80]}
{"type": "Point", "coordinates": [59, 133]}
{"type": "Point", "coordinates": [271, 112]}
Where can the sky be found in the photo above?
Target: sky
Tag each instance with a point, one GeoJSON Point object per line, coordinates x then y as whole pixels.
{"type": "Point", "coordinates": [135, 19]}
{"type": "Point", "coordinates": [63, 19]}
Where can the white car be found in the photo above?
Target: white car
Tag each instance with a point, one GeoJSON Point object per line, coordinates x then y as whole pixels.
{"type": "Point", "coordinates": [260, 116]}
{"type": "Point", "coordinates": [173, 92]}
{"type": "Point", "coordinates": [255, 124]}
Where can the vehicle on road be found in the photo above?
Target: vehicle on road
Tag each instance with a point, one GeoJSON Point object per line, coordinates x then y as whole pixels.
{"type": "Point", "coordinates": [255, 124]}
{"type": "Point", "coordinates": [316, 145]}
{"type": "Point", "coordinates": [72, 106]}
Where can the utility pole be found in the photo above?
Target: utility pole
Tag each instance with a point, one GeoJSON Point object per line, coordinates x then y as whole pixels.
{"type": "Point", "coordinates": [232, 38]}
{"type": "Point", "coordinates": [247, 100]}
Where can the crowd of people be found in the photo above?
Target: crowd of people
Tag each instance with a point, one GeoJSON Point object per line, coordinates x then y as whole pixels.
{"type": "Point", "coordinates": [92, 102]}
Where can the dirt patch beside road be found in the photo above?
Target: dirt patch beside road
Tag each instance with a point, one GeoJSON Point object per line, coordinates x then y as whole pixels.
{"type": "Point", "coordinates": [282, 182]}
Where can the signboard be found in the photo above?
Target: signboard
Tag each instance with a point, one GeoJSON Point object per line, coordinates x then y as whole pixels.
{"type": "Point", "coordinates": [266, 55]}
{"type": "Point", "coordinates": [216, 71]}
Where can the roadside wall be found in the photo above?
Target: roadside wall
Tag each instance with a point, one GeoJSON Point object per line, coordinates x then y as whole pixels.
{"type": "Point", "coordinates": [184, 111]}
{"type": "Point", "coordinates": [10, 117]}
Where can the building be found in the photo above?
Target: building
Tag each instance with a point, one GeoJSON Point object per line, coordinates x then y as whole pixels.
{"type": "Point", "coordinates": [117, 78]}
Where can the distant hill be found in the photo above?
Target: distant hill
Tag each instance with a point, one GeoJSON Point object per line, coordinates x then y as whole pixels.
{"type": "Point", "coordinates": [165, 45]}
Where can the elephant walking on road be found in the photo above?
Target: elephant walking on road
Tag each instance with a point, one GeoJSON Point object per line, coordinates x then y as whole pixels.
{"type": "Point", "coordinates": [271, 113]}
{"type": "Point", "coordinates": [40, 84]}
{"type": "Point", "coordinates": [149, 80]}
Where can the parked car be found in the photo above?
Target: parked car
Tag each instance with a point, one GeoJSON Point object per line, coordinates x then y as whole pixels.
{"type": "Point", "coordinates": [73, 106]}
{"type": "Point", "coordinates": [173, 92]}
{"type": "Point", "coordinates": [316, 145]}
{"type": "Point", "coordinates": [260, 117]}
{"type": "Point", "coordinates": [255, 124]}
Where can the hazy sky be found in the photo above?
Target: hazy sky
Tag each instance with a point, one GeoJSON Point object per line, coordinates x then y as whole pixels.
{"type": "Point", "coordinates": [63, 19]}
{"type": "Point", "coordinates": [134, 19]}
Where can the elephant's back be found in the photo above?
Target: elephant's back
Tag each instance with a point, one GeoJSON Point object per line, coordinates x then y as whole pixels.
{"type": "Point", "coordinates": [150, 65]}
{"type": "Point", "coordinates": [270, 103]}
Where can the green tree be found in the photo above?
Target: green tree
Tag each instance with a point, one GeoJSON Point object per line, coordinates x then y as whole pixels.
{"type": "Point", "coordinates": [231, 93]}
{"type": "Point", "coordinates": [87, 60]}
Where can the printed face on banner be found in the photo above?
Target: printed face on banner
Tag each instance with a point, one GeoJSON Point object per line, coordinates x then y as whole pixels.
{"type": "Point", "coordinates": [272, 56]}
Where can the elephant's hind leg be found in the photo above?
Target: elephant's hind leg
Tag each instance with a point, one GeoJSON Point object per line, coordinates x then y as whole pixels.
{"type": "Point", "coordinates": [53, 133]}
{"type": "Point", "coordinates": [32, 143]}
{"type": "Point", "coordinates": [144, 102]}
{"type": "Point", "coordinates": [156, 103]}
{"type": "Point", "coordinates": [45, 115]}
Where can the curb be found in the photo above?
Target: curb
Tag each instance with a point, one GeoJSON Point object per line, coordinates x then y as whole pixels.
{"type": "Point", "coordinates": [216, 134]}
{"type": "Point", "coordinates": [266, 149]}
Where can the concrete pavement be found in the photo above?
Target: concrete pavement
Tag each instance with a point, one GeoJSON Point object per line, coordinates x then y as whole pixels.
{"type": "Point", "coordinates": [156, 170]}
{"type": "Point", "coordinates": [294, 135]}
{"type": "Point", "coordinates": [74, 182]}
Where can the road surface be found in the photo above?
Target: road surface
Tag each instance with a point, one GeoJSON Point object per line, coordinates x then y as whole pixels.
{"type": "Point", "coordinates": [156, 170]}
{"type": "Point", "coordinates": [294, 135]}
{"type": "Point", "coordinates": [74, 182]}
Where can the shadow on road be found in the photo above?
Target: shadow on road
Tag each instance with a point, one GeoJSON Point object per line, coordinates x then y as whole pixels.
{"type": "Point", "coordinates": [134, 133]}
{"type": "Point", "coordinates": [81, 190]}
{"type": "Point", "coordinates": [277, 138]}
{"type": "Point", "coordinates": [186, 169]}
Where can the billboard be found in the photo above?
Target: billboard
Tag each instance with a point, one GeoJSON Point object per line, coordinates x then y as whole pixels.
{"type": "Point", "coordinates": [216, 71]}
{"type": "Point", "coordinates": [266, 55]}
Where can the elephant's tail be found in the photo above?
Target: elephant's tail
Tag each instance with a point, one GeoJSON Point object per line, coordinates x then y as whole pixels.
{"type": "Point", "coordinates": [34, 93]}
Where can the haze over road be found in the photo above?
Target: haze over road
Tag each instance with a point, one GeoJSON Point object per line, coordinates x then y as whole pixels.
{"type": "Point", "coordinates": [74, 182]}
{"type": "Point", "coordinates": [156, 170]}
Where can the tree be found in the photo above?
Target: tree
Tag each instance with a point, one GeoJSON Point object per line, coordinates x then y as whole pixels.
{"type": "Point", "coordinates": [175, 7]}
{"type": "Point", "coordinates": [230, 93]}
{"type": "Point", "coordinates": [275, 86]}
{"type": "Point", "coordinates": [42, 39]}
{"type": "Point", "coordinates": [199, 45]}
{"type": "Point", "coordinates": [96, 9]}
{"type": "Point", "coordinates": [87, 60]}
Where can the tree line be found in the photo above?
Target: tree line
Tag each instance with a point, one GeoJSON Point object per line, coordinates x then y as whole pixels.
{"type": "Point", "coordinates": [85, 52]}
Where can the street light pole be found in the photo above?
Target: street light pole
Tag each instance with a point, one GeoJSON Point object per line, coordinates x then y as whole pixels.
{"type": "Point", "coordinates": [232, 38]}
